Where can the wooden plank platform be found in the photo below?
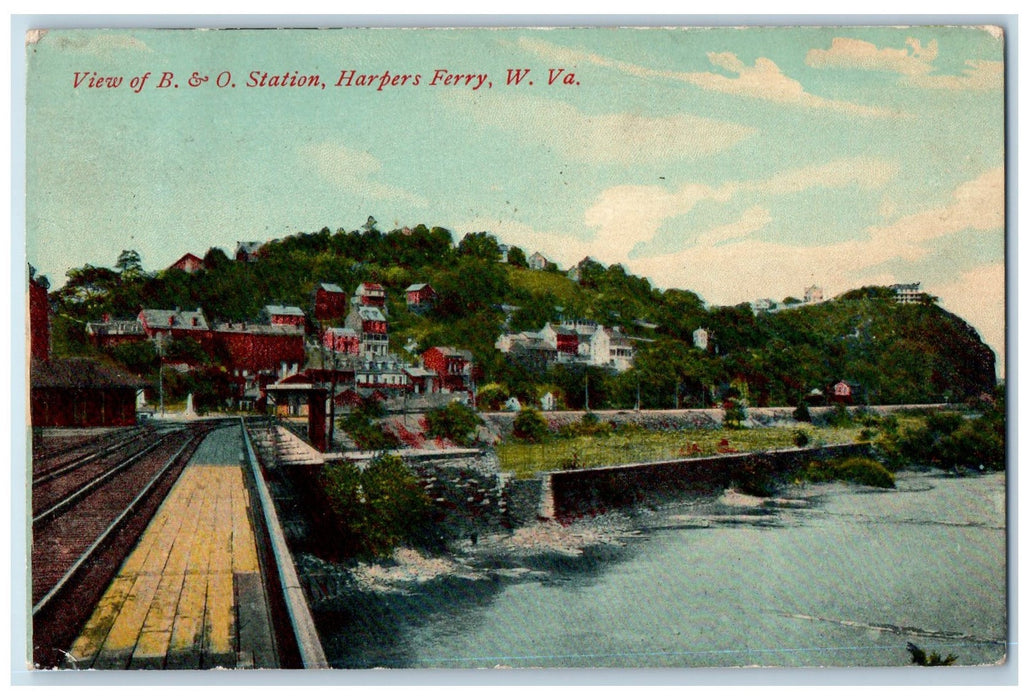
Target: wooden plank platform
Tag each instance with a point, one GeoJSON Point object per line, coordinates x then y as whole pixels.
{"type": "Point", "coordinates": [190, 595]}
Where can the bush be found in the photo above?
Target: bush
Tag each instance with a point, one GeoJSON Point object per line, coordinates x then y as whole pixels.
{"type": "Point", "coordinates": [855, 470]}
{"type": "Point", "coordinates": [589, 425]}
{"type": "Point", "coordinates": [530, 425]}
{"type": "Point", "coordinates": [455, 422]}
{"type": "Point", "coordinates": [755, 476]}
{"type": "Point", "coordinates": [366, 433]}
{"type": "Point", "coordinates": [801, 438]}
{"type": "Point", "coordinates": [374, 510]}
{"type": "Point", "coordinates": [839, 417]}
{"type": "Point", "coordinates": [949, 441]}
{"type": "Point", "coordinates": [735, 415]}
{"type": "Point", "coordinates": [801, 413]}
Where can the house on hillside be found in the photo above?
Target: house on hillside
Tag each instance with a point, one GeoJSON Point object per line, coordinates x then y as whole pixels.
{"type": "Point", "coordinates": [330, 302]}
{"type": "Point", "coordinates": [371, 325]}
{"type": "Point", "coordinates": [813, 295]}
{"type": "Point", "coordinates": [701, 339]}
{"type": "Point", "coordinates": [420, 380]}
{"type": "Point", "coordinates": [370, 294]}
{"type": "Point", "coordinates": [563, 339]}
{"type": "Point", "coordinates": [248, 251]}
{"type": "Point", "coordinates": [161, 325]}
{"type": "Point", "coordinates": [843, 391]}
{"type": "Point", "coordinates": [537, 261]}
{"type": "Point", "coordinates": [342, 340]}
{"type": "Point", "coordinates": [188, 263]}
{"type": "Point", "coordinates": [279, 315]}
{"type": "Point", "coordinates": [907, 293]}
{"type": "Point", "coordinates": [453, 367]}
{"type": "Point", "coordinates": [611, 348]}
{"type": "Point", "coordinates": [420, 297]}
{"type": "Point", "coordinates": [109, 333]}
{"type": "Point", "coordinates": [252, 348]}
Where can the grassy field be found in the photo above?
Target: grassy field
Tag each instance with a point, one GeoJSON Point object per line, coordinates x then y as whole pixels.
{"type": "Point", "coordinates": [526, 459]}
{"type": "Point", "coordinates": [538, 282]}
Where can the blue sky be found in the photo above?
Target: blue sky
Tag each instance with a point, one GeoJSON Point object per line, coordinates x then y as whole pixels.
{"type": "Point", "coordinates": [738, 163]}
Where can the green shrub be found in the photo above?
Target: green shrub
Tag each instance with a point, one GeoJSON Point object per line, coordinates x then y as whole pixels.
{"type": "Point", "coordinates": [735, 415]}
{"type": "Point", "coordinates": [866, 435]}
{"type": "Point", "coordinates": [949, 441]}
{"type": "Point", "coordinates": [855, 470]}
{"type": "Point", "coordinates": [455, 422]}
{"type": "Point", "coordinates": [801, 413]}
{"type": "Point", "coordinates": [374, 510]}
{"type": "Point", "coordinates": [839, 417]}
{"type": "Point", "coordinates": [801, 438]}
{"type": "Point", "coordinates": [589, 425]}
{"type": "Point", "coordinates": [755, 476]}
{"type": "Point", "coordinates": [366, 433]}
{"type": "Point", "coordinates": [530, 425]}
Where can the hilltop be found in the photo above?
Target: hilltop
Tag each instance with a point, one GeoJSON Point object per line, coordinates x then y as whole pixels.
{"type": "Point", "coordinates": [890, 352]}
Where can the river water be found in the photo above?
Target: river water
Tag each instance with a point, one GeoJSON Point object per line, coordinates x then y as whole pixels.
{"type": "Point", "coordinates": [828, 575]}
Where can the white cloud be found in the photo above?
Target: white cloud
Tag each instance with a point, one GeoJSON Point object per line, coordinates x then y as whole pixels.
{"type": "Point", "coordinates": [626, 215]}
{"type": "Point", "coordinates": [864, 55]}
{"type": "Point", "coordinates": [977, 205]}
{"type": "Point", "coordinates": [752, 221]}
{"type": "Point", "coordinates": [763, 81]}
{"type": "Point", "coordinates": [615, 137]}
{"type": "Point", "coordinates": [355, 172]}
{"type": "Point", "coordinates": [914, 62]}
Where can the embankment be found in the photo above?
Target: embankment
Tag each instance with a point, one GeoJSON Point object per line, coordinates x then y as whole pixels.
{"type": "Point", "coordinates": [586, 491]}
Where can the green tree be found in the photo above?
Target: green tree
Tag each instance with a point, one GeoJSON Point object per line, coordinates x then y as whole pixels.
{"type": "Point", "coordinates": [129, 263]}
{"type": "Point", "coordinates": [530, 425]}
{"type": "Point", "coordinates": [455, 422]}
{"type": "Point", "coordinates": [516, 257]}
{"type": "Point", "coordinates": [481, 245]}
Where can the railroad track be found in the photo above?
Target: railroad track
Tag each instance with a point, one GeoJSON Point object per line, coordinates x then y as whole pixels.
{"type": "Point", "coordinates": [86, 529]}
{"type": "Point", "coordinates": [54, 453]}
{"type": "Point", "coordinates": [63, 486]}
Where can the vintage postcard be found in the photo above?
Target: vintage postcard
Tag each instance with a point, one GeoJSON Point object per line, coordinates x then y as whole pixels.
{"type": "Point", "coordinates": [488, 348]}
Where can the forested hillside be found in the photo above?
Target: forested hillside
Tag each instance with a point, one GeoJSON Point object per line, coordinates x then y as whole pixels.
{"type": "Point", "coordinates": [893, 353]}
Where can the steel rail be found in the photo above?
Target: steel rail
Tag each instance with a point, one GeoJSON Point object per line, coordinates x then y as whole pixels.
{"type": "Point", "coordinates": [85, 556]}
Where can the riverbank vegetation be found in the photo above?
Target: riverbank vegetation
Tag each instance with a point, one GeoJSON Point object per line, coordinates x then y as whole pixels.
{"type": "Point", "coordinates": [854, 470]}
{"type": "Point", "coordinates": [373, 510]}
{"type": "Point", "coordinates": [584, 447]}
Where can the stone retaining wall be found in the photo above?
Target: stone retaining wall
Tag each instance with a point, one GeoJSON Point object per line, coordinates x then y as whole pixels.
{"type": "Point", "coordinates": [585, 491]}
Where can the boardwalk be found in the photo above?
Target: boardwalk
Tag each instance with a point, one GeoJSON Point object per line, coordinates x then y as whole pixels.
{"type": "Point", "coordinates": [190, 595]}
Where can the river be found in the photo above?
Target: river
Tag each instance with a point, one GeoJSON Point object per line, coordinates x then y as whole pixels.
{"type": "Point", "coordinates": [826, 575]}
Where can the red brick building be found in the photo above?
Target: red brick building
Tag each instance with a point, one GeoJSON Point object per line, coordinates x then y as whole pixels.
{"type": "Point", "coordinates": [344, 340]}
{"type": "Point", "coordinates": [330, 302]}
{"type": "Point", "coordinates": [278, 315]}
{"type": "Point", "coordinates": [420, 296]}
{"type": "Point", "coordinates": [453, 367]}
{"type": "Point", "coordinates": [251, 349]}
{"type": "Point", "coordinates": [39, 320]}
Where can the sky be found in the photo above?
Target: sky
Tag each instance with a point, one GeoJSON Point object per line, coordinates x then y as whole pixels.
{"type": "Point", "coordinates": [738, 163]}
